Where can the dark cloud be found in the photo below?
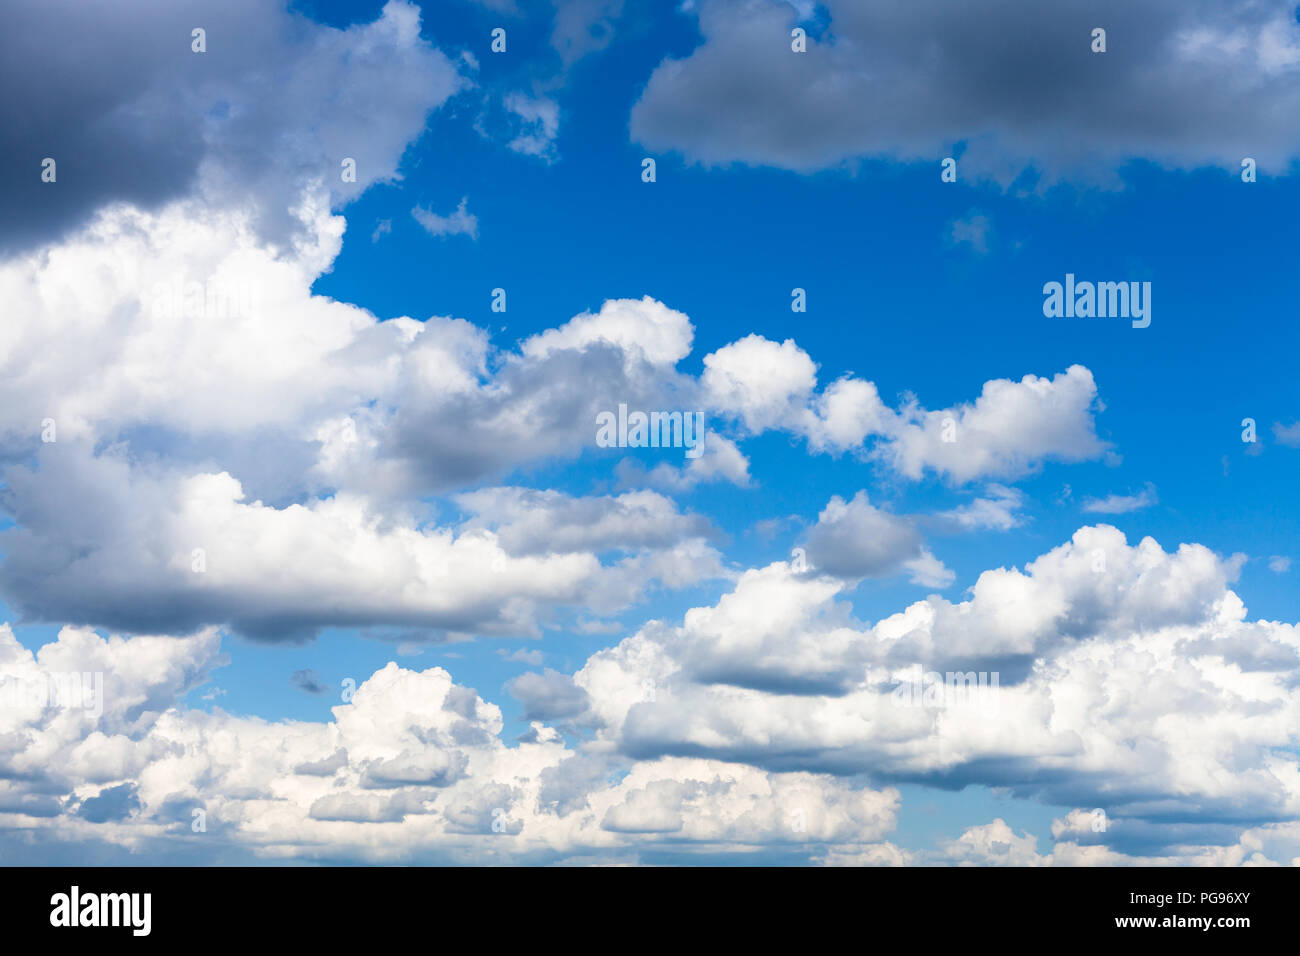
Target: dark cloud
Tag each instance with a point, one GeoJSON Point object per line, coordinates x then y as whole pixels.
{"type": "Point", "coordinates": [129, 112]}
{"type": "Point", "coordinates": [308, 680]}
{"type": "Point", "coordinates": [1185, 83]}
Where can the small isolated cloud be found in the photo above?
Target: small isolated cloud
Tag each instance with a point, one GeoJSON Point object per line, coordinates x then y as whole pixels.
{"type": "Point", "coordinates": [855, 539]}
{"type": "Point", "coordinates": [996, 509]}
{"type": "Point", "coordinates": [1287, 434]}
{"type": "Point", "coordinates": [583, 27]}
{"type": "Point", "coordinates": [1008, 431]}
{"type": "Point", "coordinates": [382, 228]}
{"type": "Point", "coordinates": [459, 223]}
{"type": "Point", "coordinates": [769, 528]}
{"type": "Point", "coordinates": [537, 122]}
{"type": "Point", "coordinates": [308, 680]}
{"type": "Point", "coordinates": [1279, 564]}
{"type": "Point", "coordinates": [972, 230]}
{"type": "Point", "coordinates": [1122, 504]}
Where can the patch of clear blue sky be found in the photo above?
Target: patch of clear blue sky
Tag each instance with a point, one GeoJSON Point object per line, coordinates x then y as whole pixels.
{"type": "Point", "coordinates": [889, 300]}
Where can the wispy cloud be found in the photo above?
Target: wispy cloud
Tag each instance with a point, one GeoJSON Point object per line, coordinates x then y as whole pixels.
{"type": "Point", "coordinates": [972, 230]}
{"type": "Point", "coordinates": [308, 680]}
{"type": "Point", "coordinates": [996, 509]}
{"type": "Point", "coordinates": [1122, 504]}
{"type": "Point", "coordinates": [458, 223]}
{"type": "Point", "coordinates": [1287, 434]}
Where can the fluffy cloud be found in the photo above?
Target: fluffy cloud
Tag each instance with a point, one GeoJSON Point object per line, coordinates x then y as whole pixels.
{"type": "Point", "coordinates": [191, 440]}
{"type": "Point", "coordinates": [759, 381]}
{"type": "Point", "coordinates": [997, 844]}
{"type": "Point", "coordinates": [166, 357]}
{"type": "Point", "coordinates": [749, 725]}
{"type": "Point", "coordinates": [1006, 433]}
{"type": "Point", "coordinates": [994, 844]}
{"type": "Point", "coordinates": [148, 551]}
{"type": "Point", "coordinates": [1127, 678]}
{"type": "Point", "coordinates": [1186, 84]}
{"type": "Point", "coordinates": [412, 768]}
{"type": "Point", "coordinates": [274, 477]}
{"type": "Point", "coordinates": [181, 419]}
{"type": "Point", "coordinates": [855, 539]}
{"type": "Point", "coordinates": [646, 329]}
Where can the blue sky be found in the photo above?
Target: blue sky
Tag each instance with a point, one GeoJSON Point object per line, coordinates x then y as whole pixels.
{"type": "Point", "coordinates": [925, 288]}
